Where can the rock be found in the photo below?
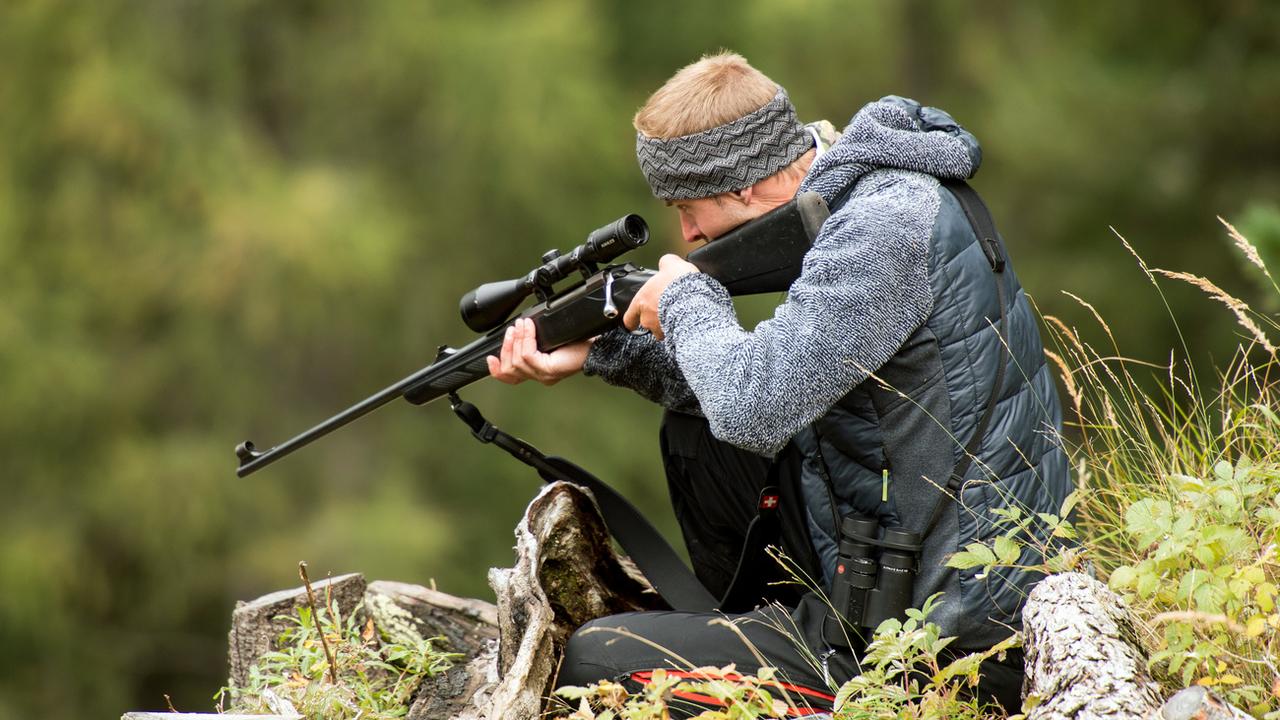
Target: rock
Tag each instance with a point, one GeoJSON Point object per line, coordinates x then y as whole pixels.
{"type": "Point", "coordinates": [255, 627]}
{"type": "Point", "coordinates": [1083, 656]}
{"type": "Point", "coordinates": [1197, 703]}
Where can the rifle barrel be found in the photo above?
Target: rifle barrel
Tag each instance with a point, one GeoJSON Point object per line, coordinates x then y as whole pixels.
{"type": "Point", "coordinates": [439, 378]}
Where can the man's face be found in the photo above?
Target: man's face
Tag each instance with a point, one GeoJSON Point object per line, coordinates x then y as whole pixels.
{"type": "Point", "coordinates": [709, 218]}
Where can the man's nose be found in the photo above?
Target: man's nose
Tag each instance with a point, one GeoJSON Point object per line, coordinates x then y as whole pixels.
{"type": "Point", "coordinates": [690, 230]}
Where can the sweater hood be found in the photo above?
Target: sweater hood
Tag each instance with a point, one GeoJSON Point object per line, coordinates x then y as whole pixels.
{"type": "Point", "coordinates": [898, 133]}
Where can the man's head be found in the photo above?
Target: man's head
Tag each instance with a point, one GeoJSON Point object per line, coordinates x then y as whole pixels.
{"type": "Point", "coordinates": [720, 142]}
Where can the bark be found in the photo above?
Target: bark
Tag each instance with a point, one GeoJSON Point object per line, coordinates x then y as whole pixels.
{"type": "Point", "coordinates": [464, 691]}
{"type": "Point", "coordinates": [202, 716]}
{"type": "Point", "coordinates": [1083, 656]}
{"type": "Point", "coordinates": [1084, 660]}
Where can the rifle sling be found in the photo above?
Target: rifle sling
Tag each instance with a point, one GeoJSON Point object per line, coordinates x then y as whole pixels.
{"type": "Point", "coordinates": [639, 539]}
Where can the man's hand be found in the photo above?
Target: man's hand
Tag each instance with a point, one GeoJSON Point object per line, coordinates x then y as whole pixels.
{"type": "Point", "coordinates": [643, 310]}
{"type": "Point", "coordinates": [521, 360]}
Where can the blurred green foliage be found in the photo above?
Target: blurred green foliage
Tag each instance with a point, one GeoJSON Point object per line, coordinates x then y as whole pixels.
{"type": "Point", "coordinates": [228, 220]}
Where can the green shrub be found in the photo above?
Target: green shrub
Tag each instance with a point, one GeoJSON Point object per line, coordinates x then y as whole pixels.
{"type": "Point", "coordinates": [1178, 498]}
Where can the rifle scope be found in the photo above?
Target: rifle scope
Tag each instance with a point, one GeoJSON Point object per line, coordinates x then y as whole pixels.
{"type": "Point", "coordinates": [489, 305]}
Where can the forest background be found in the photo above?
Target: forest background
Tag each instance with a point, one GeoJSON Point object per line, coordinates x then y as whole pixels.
{"type": "Point", "coordinates": [228, 220]}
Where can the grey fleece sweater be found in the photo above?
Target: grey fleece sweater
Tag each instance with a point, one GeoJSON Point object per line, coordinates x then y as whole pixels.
{"type": "Point", "coordinates": [863, 290]}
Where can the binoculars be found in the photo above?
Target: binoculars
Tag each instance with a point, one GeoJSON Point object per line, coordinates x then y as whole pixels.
{"type": "Point", "coordinates": [874, 580]}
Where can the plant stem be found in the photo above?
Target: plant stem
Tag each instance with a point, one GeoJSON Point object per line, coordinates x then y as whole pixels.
{"type": "Point", "coordinates": [315, 617]}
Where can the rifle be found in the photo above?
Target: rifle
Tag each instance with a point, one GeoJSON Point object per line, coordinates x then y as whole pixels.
{"type": "Point", "coordinates": [760, 256]}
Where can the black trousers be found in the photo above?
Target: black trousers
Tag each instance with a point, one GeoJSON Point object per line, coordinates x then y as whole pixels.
{"type": "Point", "coordinates": [715, 490]}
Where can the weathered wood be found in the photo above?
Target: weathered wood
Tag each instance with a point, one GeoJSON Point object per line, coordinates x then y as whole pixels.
{"type": "Point", "coordinates": [464, 692]}
{"type": "Point", "coordinates": [469, 626]}
{"type": "Point", "coordinates": [202, 716]}
{"type": "Point", "coordinates": [1197, 703]}
{"type": "Point", "coordinates": [466, 624]}
{"type": "Point", "coordinates": [566, 573]}
{"type": "Point", "coordinates": [256, 625]}
{"type": "Point", "coordinates": [1083, 656]}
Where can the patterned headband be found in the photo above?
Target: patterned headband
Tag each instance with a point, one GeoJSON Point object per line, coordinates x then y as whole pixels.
{"type": "Point", "coordinates": [722, 159]}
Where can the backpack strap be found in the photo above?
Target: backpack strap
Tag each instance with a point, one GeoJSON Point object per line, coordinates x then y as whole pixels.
{"type": "Point", "coordinates": [989, 240]}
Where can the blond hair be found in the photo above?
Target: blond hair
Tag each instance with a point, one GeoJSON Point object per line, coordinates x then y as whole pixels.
{"type": "Point", "coordinates": [713, 91]}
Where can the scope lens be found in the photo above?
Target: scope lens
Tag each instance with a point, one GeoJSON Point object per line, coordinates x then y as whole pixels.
{"type": "Point", "coordinates": [635, 227]}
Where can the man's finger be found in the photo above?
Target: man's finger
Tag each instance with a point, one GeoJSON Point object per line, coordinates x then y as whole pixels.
{"type": "Point", "coordinates": [508, 341]}
{"type": "Point", "coordinates": [528, 338]}
{"type": "Point", "coordinates": [495, 369]}
{"type": "Point", "coordinates": [526, 349]}
{"type": "Point", "coordinates": [632, 317]}
{"type": "Point", "coordinates": [652, 324]}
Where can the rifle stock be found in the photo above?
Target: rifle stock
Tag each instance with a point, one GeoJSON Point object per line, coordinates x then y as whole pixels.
{"type": "Point", "coordinates": [766, 254]}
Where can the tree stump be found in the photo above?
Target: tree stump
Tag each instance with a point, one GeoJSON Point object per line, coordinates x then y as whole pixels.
{"type": "Point", "coordinates": [466, 624]}
{"type": "Point", "coordinates": [255, 627]}
{"type": "Point", "coordinates": [566, 573]}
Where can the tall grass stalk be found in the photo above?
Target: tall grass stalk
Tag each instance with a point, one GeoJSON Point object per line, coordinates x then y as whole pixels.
{"type": "Point", "coordinates": [1179, 503]}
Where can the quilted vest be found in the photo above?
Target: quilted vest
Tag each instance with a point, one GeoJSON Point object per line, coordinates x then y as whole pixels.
{"type": "Point", "coordinates": [914, 417]}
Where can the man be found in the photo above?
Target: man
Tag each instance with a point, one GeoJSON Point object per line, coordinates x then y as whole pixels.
{"type": "Point", "coordinates": [904, 354]}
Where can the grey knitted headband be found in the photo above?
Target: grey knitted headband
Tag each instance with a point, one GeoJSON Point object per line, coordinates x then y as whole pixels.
{"type": "Point", "coordinates": [730, 157]}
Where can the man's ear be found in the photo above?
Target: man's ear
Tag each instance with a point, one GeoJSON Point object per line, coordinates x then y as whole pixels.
{"type": "Point", "coordinates": [744, 196]}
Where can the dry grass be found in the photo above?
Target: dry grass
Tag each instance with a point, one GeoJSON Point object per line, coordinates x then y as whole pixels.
{"type": "Point", "coordinates": [1141, 432]}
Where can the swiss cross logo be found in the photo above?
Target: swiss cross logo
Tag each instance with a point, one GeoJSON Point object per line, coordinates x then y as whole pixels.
{"type": "Point", "coordinates": [769, 502]}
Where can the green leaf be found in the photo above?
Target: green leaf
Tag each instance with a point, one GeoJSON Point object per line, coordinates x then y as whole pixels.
{"type": "Point", "coordinates": [1147, 584]}
{"type": "Point", "coordinates": [1223, 471]}
{"type": "Point", "coordinates": [1205, 554]}
{"type": "Point", "coordinates": [963, 561]}
{"type": "Point", "coordinates": [984, 554]}
{"type": "Point", "coordinates": [1122, 578]}
{"type": "Point", "coordinates": [1148, 519]}
{"type": "Point", "coordinates": [1209, 597]}
{"type": "Point", "coordinates": [1189, 583]}
{"type": "Point", "coordinates": [1184, 525]}
{"type": "Point", "coordinates": [1185, 483]}
{"type": "Point", "coordinates": [1007, 550]}
{"type": "Point", "coordinates": [1069, 503]}
{"type": "Point", "coordinates": [1226, 498]}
